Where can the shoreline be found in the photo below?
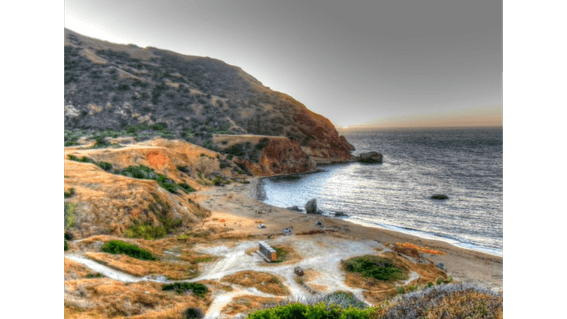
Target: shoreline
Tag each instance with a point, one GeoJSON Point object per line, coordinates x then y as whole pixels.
{"type": "Point", "coordinates": [236, 203]}
{"type": "Point", "coordinates": [259, 194]}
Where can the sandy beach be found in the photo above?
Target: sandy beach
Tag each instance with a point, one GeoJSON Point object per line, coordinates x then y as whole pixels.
{"type": "Point", "coordinates": [239, 207]}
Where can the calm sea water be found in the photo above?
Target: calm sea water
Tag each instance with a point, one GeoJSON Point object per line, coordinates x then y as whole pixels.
{"type": "Point", "coordinates": [464, 163]}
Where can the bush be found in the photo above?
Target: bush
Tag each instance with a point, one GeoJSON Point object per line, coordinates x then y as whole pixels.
{"type": "Point", "coordinates": [439, 281]}
{"type": "Point", "coordinates": [186, 188]}
{"type": "Point", "coordinates": [400, 290]}
{"type": "Point", "coordinates": [66, 247]}
{"type": "Point", "coordinates": [375, 267]}
{"type": "Point", "coordinates": [104, 165]}
{"type": "Point", "coordinates": [70, 193]}
{"type": "Point", "coordinates": [145, 230]}
{"type": "Point", "coordinates": [68, 236]}
{"type": "Point", "coordinates": [70, 215]}
{"type": "Point", "coordinates": [143, 172]}
{"type": "Point", "coordinates": [119, 247]}
{"type": "Point", "coordinates": [319, 311]}
{"type": "Point", "coordinates": [181, 287]}
{"type": "Point", "coordinates": [193, 313]}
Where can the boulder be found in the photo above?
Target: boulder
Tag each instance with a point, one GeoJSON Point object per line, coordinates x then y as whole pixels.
{"type": "Point", "coordinates": [340, 214]}
{"type": "Point", "coordinates": [311, 206]}
{"type": "Point", "coordinates": [369, 157]}
{"type": "Point", "coordinates": [439, 196]}
{"type": "Point", "coordinates": [441, 266]}
{"type": "Point", "coordinates": [298, 271]}
{"type": "Point", "coordinates": [294, 208]}
{"type": "Point", "coordinates": [318, 223]}
{"type": "Point", "coordinates": [261, 226]}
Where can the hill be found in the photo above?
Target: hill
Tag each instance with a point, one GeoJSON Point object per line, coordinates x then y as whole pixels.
{"type": "Point", "coordinates": [148, 92]}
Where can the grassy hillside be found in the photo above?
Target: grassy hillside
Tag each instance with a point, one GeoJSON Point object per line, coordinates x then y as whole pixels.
{"type": "Point", "coordinates": [127, 90]}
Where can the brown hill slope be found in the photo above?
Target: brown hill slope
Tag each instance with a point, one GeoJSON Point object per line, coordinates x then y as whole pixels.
{"type": "Point", "coordinates": [148, 92]}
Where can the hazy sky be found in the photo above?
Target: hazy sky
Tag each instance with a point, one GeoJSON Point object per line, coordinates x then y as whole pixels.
{"type": "Point", "coordinates": [351, 61]}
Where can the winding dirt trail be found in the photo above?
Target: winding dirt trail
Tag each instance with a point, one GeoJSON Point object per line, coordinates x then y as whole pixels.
{"type": "Point", "coordinates": [321, 253]}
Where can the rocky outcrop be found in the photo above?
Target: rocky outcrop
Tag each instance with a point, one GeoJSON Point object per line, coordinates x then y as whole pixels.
{"type": "Point", "coordinates": [440, 196]}
{"type": "Point", "coordinates": [265, 155]}
{"type": "Point", "coordinates": [311, 206]}
{"type": "Point", "coordinates": [369, 157]}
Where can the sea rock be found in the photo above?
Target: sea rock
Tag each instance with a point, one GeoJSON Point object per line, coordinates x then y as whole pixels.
{"type": "Point", "coordinates": [294, 208]}
{"type": "Point", "coordinates": [298, 271]}
{"type": "Point", "coordinates": [440, 196]}
{"type": "Point", "coordinates": [369, 157]}
{"type": "Point", "coordinates": [311, 206]}
{"type": "Point", "coordinates": [340, 214]}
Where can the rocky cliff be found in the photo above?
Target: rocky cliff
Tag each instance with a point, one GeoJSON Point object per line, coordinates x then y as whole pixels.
{"type": "Point", "coordinates": [147, 92]}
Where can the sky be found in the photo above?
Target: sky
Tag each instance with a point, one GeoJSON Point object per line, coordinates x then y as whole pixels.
{"type": "Point", "coordinates": [354, 62]}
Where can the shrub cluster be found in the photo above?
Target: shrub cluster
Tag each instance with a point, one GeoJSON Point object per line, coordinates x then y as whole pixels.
{"type": "Point", "coordinates": [146, 229]}
{"type": "Point", "coordinates": [181, 287]}
{"type": "Point", "coordinates": [70, 215]}
{"type": "Point", "coordinates": [376, 267]}
{"type": "Point", "coordinates": [143, 172]}
{"type": "Point", "coordinates": [119, 247]}
{"type": "Point", "coordinates": [104, 165]}
{"type": "Point", "coordinates": [318, 311]}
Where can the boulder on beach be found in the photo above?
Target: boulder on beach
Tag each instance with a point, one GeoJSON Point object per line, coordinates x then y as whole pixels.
{"type": "Point", "coordinates": [369, 157]}
{"type": "Point", "coordinates": [298, 271]}
{"type": "Point", "coordinates": [311, 206]}
{"type": "Point", "coordinates": [294, 208]}
{"type": "Point", "coordinates": [440, 196]}
{"type": "Point", "coordinates": [341, 214]}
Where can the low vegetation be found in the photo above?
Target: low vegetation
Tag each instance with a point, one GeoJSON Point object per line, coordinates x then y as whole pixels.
{"type": "Point", "coordinates": [414, 250]}
{"type": "Point", "coordinates": [119, 247]}
{"type": "Point", "coordinates": [70, 215]}
{"type": "Point", "coordinates": [144, 172]}
{"type": "Point", "coordinates": [104, 165]}
{"type": "Point", "coordinates": [182, 287]}
{"type": "Point", "coordinates": [376, 267]}
{"type": "Point", "coordinates": [318, 311]}
{"type": "Point", "coordinates": [147, 230]}
{"type": "Point", "coordinates": [264, 282]}
{"type": "Point", "coordinates": [70, 193]}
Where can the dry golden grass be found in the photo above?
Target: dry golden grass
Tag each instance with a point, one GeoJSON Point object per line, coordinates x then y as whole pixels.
{"type": "Point", "coordinates": [264, 282]}
{"type": "Point", "coordinates": [106, 298]}
{"type": "Point", "coordinates": [74, 270]}
{"type": "Point", "coordinates": [142, 268]}
{"type": "Point", "coordinates": [414, 250]}
{"type": "Point", "coordinates": [248, 303]}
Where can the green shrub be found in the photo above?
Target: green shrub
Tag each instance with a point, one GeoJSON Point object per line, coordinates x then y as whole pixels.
{"type": "Point", "coordinates": [375, 267]}
{"type": "Point", "coordinates": [186, 188]}
{"type": "Point", "coordinates": [319, 311]}
{"type": "Point", "coordinates": [181, 287]}
{"type": "Point", "coordinates": [66, 247]}
{"type": "Point", "coordinates": [68, 236]}
{"type": "Point", "coordinates": [145, 230]}
{"type": "Point", "coordinates": [119, 247]}
{"type": "Point", "coordinates": [429, 284]}
{"type": "Point", "coordinates": [193, 313]}
{"type": "Point", "coordinates": [96, 275]}
{"type": "Point", "coordinates": [70, 193]}
{"type": "Point", "coordinates": [400, 290]}
{"type": "Point", "coordinates": [70, 215]}
{"type": "Point", "coordinates": [439, 281]}
{"type": "Point", "coordinates": [104, 165]}
{"type": "Point", "coordinates": [143, 172]}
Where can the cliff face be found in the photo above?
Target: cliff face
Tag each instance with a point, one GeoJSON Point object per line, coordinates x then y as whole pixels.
{"type": "Point", "coordinates": [127, 90]}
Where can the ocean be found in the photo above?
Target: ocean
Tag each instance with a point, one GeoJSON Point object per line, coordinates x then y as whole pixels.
{"type": "Point", "coordinates": [463, 163]}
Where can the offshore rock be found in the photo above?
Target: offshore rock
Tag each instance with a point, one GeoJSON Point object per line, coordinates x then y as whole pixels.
{"type": "Point", "coordinates": [311, 206]}
{"type": "Point", "coordinates": [369, 157]}
{"type": "Point", "coordinates": [440, 196]}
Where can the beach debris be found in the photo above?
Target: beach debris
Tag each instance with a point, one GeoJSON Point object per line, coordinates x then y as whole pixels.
{"type": "Point", "coordinates": [440, 196]}
{"type": "Point", "coordinates": [318, 223]}
{"type": "Point", "coordinates": [268, 251]}
{"type": "Point", "coordinates": [298, 271]}
{"type": "Point", "coordinates": [369, 157]}
{"type": "Point", "coordinates": [294, 208]}
{"type": "Point", "coordinates": [261, 226]}
{"type": "Point", "coordinates": [311, 206]}
{"type": "Point", "coordinates": [441, 266]}
{"type": "Point", "coordinates": [340, 214]}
